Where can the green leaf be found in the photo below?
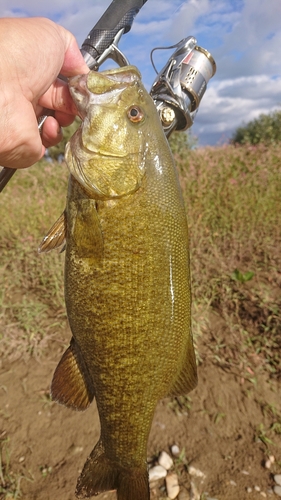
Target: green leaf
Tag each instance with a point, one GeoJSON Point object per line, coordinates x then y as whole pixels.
{"type": "Point", "coordinates": [242, 278]}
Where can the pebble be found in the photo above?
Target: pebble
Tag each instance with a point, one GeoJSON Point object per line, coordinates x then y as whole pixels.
{"type": "Point", "coordinates": [172, 486]}
{"type": "Point", "coordinates": [184, 495]}
{"type": "Point", "coordinates": [194, 493]}
{"type": "Point", "coordinates": [195, 472]}
{"type": "Point", "coordinates": [277, 490]}
{"type": "Point", "coordinates": [257, 488]}
{"type": "Point", "coordinates": [268, 463]}
{"type": "Point", "coordinates": [263, 494]}
{"type": "Point", "coordinates": [157, 472]}
{"type": "Point", "coordinates": [249, 490]}
{"type": "Point", "coordinates": [21, 459]}
{"type": "Point", "coordinates": [175, 450]}
{"type": "Point", "coordinates": [232, 483]}
{"type": "Point", "coordinates": [165, 460]}
{"type": "Point", "coordinates": [277, 479]}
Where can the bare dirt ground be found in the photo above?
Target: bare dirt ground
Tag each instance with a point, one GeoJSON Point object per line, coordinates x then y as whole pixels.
{"type": "Point", "coordinates": [227, 429]}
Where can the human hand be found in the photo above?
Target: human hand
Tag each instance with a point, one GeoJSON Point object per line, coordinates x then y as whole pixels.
{"type": "Point", "coordinates": [33, 52]}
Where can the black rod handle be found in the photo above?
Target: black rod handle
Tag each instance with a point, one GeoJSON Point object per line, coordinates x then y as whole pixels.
{"type": "Point", "coordinates": [119, 15]}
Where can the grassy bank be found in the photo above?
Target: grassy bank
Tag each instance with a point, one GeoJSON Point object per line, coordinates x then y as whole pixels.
{"type": "Point", "coordinates": [233, 199]}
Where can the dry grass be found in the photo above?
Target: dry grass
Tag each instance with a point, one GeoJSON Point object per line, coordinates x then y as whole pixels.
{"type": "Point", "coordinates": [233, 197]}
{"type": "Point", "coordinates": [31, 297]}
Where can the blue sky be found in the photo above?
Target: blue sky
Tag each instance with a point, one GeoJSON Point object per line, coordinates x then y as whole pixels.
{"type": "Point", "coordinates": [244, 37]}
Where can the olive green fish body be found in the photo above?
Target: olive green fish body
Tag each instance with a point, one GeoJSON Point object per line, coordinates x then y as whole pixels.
{"type": "Point", "coordinates": [127, 285]}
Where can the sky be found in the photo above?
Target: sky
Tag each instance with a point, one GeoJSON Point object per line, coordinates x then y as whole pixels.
{"type": "Point", "coordinates": [243, 36]}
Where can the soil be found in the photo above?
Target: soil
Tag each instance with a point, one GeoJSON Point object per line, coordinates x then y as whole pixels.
{"type": "Point", "coordinates": [223, 433]}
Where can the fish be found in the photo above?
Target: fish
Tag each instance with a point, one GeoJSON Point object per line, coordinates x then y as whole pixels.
{"type": "Point", "coordinates": [127, 279]}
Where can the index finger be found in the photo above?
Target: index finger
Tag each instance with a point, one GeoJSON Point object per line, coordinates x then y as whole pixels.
{"type": "Point", "coordinates": [58, 97]}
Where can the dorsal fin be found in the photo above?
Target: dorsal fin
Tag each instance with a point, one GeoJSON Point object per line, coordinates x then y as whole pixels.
{"type": "Point", "coordinates": [186, 380]}
{"type": "Point", "coordinates": [72, 385]}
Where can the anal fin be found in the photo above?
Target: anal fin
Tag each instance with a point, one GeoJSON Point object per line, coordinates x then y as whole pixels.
{"type": "Point", "coordinates": [55, 236]}
{"type": "Point", "coordinates": [72, 385]}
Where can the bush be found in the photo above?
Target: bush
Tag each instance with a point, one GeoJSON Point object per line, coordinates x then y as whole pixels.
{"type": "Point", "coordinates": [181, 141]}
{"type": "Point", "coordinates": [266, 129]}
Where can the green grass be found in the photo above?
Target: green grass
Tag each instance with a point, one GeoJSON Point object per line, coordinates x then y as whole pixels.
{"type": "Point", "coordinates": [233, 199]}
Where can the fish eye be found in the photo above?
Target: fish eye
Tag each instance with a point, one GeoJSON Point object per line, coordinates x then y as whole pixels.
{"type": "Point", "coordinates": [135, 114]}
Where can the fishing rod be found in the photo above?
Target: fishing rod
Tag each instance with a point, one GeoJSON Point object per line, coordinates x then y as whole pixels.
{"type": "Point", "coordinates": [179, 86]}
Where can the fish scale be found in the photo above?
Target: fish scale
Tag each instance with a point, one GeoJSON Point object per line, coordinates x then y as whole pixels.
{"type": "Point", "coordinates": [127, 285]}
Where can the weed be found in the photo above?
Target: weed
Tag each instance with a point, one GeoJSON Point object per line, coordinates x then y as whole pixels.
{"type": "Point", "coordinates": [10, 482]}
{"type": "Point", "coordinates": [218, 417]}
{"type": "Point", "coordinates": [242, 277]}
{"type": "Point", "coordinates": [180, 405]}
{"type": "Point", "coordinates": [262, 435]}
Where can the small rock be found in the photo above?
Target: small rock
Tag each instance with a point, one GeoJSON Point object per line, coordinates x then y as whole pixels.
{"type": "Point", "coordinates": [195, 472]}
{"type": "Point", "coordinates": [268, 464]}
{"type": "Point", "coordinates": [232, 483]}
{"type": "Point", "coordinates": [271, 458]}
{"type": "Point", "coordinates": [194, 493]}
{"type": "Point", "coordinates": [245, 472]}
{"type": "Point", "coordinates": [257, 488]}
{"type": "Point", "coordinates": [21, 459]}
{"type": "Point", "coordinates": [184, 495]}
{"type": "Point", "coordinates": [277, 479]}
{"type": "Point", "coordinates": [175, 450]}
{"type": "Point", "coordinates": [157, 472]}
{"type": "Point", "coordinates": [165, 460]}
{"type": "Point", "coordinates": [249, 490]}
{"type": "Point", "coordinates": [263, 494]}
{"type": "Point", "coordinates": [172, 486]}
{"type": "Point", "coordinates": [277, 490]}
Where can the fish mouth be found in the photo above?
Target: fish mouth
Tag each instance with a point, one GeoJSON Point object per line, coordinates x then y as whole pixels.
{"type": "Point", "coordinates": [95, 87]}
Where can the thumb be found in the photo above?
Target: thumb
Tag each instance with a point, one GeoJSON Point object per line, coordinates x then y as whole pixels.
{"type": "Point", "coordinates": [73, 63]}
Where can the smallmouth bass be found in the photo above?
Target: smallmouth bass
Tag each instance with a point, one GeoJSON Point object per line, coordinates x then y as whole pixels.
{"type": "Point", "coordinates": [127, 285]}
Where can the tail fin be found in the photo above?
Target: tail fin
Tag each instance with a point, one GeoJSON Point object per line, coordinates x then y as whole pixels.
{"type": "Point", "coordinates": [100, 474]}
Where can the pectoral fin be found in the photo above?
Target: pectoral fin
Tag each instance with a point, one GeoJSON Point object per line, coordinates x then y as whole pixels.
{"type": "Point", "coordinates": [72, 385]}
{"type": "Point", "coordinates": [87, 232]}
{"type": "Point", "coordinates": [186, 380]}
{"type": "Point", "coordinates": [55, 236]}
